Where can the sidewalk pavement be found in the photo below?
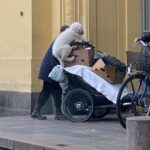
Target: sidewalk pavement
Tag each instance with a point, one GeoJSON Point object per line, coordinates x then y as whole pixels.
{"type": "Point", "coordinates": [24, 133]}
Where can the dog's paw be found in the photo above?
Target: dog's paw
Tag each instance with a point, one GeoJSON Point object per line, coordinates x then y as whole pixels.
{"type": "Point", "coordinates": [72, 58]}
{"type": "Point", "coordinates": [69, 59]}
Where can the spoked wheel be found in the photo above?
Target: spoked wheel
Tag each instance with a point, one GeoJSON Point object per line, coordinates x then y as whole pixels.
{"type": "Point", "coordinates": [130, 100]}
{"type": "Point", "coordinates": [78, 105]}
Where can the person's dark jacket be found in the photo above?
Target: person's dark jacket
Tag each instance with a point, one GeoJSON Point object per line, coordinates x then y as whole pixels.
{"type": "Point", "coordinates": [146, 37]}
{"type": "Point", "coordinates": [48, 63]}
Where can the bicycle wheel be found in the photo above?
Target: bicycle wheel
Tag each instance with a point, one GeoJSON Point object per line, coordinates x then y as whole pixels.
{"type": "Point", "coordinates": [130, 100]}
{"type": "Point", "coordinates": [78, 105]}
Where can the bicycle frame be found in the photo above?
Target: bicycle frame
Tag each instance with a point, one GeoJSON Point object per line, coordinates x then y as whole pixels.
{"type": "Point", "coordinates": [137, 101]}
{"type": "Point", "coordinates": [136, 92]}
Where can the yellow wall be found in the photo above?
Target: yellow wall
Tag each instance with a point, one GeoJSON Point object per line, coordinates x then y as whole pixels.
{"type": "Point", "coordinates": [47, 18]}
{"type": "Point", "coordinates": [41, 36]}
{"type": "Point", "coordinates": [133, 22]}
{"type": "Point", "coordinates": [15, 45]}
{"type": "Point", "coordinates": [110, 24]}
{"type": "Point", "coordinates": [115, 24]}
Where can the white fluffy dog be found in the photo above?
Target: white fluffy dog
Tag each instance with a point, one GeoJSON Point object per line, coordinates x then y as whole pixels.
{"type": "Point", "coordinates": [61, 48]}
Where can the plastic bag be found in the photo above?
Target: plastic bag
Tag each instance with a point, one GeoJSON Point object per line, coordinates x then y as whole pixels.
{"type": "Point", "coordinates": [57, 74]}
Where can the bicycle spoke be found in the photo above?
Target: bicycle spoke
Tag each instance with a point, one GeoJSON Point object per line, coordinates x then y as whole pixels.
{"type": "Point", "coordinates": [136, 101]}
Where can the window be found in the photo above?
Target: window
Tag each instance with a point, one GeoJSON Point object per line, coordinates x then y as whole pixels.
{"type": "Point", "coordinates": [146, 15]}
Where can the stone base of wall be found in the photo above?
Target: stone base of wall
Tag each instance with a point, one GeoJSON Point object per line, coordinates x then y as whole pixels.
{"type": "Point", "coordinates": [20, 103]}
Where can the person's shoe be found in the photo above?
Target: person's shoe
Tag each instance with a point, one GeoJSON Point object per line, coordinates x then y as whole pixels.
{"type": "Point", "coordinates": [36, 113]}
{"type": "Point", "coordinates": [59, 116]}
{"type": "Point", "coordinates": [38, 116]}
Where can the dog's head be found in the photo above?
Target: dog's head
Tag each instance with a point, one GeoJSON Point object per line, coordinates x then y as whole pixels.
{"type": "Point", "coordinates": [77, 27]}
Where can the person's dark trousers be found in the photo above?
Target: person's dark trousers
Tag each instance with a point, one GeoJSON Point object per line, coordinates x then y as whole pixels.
{"type": "Point", "coordinates": [48, 88]}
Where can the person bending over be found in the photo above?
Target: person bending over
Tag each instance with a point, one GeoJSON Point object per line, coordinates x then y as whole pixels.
{"type": "Point", "coordinates": [49, 86]}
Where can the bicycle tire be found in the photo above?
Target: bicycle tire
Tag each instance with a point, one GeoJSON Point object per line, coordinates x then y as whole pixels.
{"type": "Point", "coordinates": [126, 104]}
{"type": "Point", "coordinates": [78, 105]}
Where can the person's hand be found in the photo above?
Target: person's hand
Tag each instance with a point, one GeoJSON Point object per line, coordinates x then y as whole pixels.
{"type": "Point", "coordinates": [137, 41]}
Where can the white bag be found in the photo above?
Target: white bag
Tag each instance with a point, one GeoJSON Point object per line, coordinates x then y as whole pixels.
{"type": "Point", "coordinates": [57, 74]}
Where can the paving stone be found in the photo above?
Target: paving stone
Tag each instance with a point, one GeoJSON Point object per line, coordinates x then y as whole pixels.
{"type": "Point", "coordinates": [30, 134]}
{"type": "Point", "coordinates": [26, 146]}
{"type": "Point", "coordinates": [6, 143]}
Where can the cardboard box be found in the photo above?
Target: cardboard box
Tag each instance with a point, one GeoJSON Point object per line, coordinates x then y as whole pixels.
{"type": "Point", "coordinates": [110, 73]}
{"type": "Point", "coordinates": [83, 57]}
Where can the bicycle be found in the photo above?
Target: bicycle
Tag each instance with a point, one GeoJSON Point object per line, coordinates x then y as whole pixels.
{"type": "Point", "coordinates": [136, 101]}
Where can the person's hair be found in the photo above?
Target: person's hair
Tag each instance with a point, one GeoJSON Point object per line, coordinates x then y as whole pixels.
{"type": "Point", "coordinates": [63, 28]}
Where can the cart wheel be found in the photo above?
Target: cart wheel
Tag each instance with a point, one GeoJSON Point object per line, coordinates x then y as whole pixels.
{"type": "Point", "coordinates": [78, 105]}
{"type": "Point", "coordinates": [100, 113]}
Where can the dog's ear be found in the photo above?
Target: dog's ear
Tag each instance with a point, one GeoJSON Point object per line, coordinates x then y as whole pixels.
{"type": "Point", "coordinates": [77, 27]}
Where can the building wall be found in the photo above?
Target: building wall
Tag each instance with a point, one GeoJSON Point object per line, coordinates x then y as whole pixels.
{"type": "Point", "coordinates": [15, 56]}
{"type": "Point", "coordinates": [28, 27]}
{"type": "Point", "coordinates": [15, 45]}
{"type": "Point", "coordinates": [116, 24]}
{"type": "Point", "coordinates": [41, 37]}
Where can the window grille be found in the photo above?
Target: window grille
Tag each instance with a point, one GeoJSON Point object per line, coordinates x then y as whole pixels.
{"type": "Point", "coordinates": [146, 15]}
